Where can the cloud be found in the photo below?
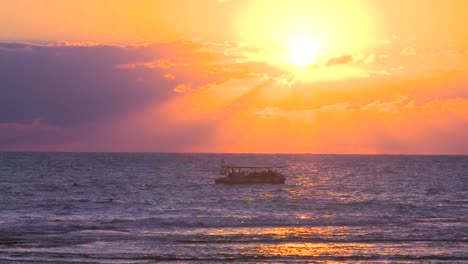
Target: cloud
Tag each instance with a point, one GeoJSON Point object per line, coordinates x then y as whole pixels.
{"type": "Point", "coordinates": [72, 44]}
{"type": "Point", "coordinates": [390, 106]}
{"type": "Point", "coordinates": [343, 59]}
{"type": "Point", "coordinates": [67, 85]}
{"type": "Point", "coordinates": [188, 87]}
{"type": "Point", "coordinates": [183, 88]}
{"type": "Point", "coordinates": [160, 64]}
{"type": "Point", "coordinates": [432, 52]}
{"type": "Point", "coordinates": [33, 125]}
{"type": "Point", "coordinates": [369, 59]}
{"type": "Point", "coordinates": [169, 76]}
{"type": "Point", "coordinates": [16, 136]}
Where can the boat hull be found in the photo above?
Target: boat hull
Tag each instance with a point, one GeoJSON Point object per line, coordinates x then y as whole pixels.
{"type": "Point", "coordinates": [251, 180]}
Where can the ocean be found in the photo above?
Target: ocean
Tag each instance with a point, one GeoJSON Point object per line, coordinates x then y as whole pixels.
{"type": "Point", "coordinates": [148, 208]}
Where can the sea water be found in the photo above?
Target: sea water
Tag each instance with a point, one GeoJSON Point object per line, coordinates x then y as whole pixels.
{"type": "Point", "coordinates": [146, 208]}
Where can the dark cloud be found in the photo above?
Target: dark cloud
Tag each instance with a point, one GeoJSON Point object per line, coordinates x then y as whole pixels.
{"type": "Point", "coordinates": [54, 95]}
{"type": "Point", "coordinates": [66, 85]}
{"type": "Point", "coordinates": [343, 59]}
{"type": "Point", "coordinates": [59, 93]}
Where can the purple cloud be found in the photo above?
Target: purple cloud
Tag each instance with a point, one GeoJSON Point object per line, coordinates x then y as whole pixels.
{"type": "Point", "coordinates": [66, 85]}
{"type": "Point", "coordinates": [50, 94]}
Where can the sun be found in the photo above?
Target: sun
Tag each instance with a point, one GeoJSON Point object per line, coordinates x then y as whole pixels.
{"type": "Point", "coordinates": [302, 52]}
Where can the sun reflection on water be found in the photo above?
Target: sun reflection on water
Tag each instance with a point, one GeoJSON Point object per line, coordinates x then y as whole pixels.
{"type": "Point", "coordinates": [308, 249]}
{"type": "Point", "coordinates": [314, 243]}
{"type": "Point", "coordinates": [316, 233]}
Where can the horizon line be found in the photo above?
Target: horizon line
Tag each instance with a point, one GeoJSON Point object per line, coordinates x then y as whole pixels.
{"type": "Point", "coordinates": [236, 153]}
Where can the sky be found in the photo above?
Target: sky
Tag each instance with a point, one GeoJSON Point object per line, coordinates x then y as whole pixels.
{"type": "Point", "coordinates": [253, 76]}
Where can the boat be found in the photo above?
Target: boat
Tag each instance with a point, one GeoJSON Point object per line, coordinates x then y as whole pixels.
{"type": "Point", "coordinates": [250, 175]}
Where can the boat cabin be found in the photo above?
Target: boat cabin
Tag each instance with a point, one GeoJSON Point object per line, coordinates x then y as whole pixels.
{"type": "Point", "coordinates": [246, 170]}
{"type": "Point", "coordinates": [250, 174]}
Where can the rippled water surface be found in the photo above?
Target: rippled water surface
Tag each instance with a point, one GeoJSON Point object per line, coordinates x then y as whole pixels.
{"type": "Point", "coordinates": [146, 208]}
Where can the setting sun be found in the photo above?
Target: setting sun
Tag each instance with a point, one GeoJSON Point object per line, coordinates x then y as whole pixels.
{"type": "Point", "coordinates": [302, 52]}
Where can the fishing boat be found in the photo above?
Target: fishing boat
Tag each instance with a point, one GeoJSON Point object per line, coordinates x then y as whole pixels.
{"type": "Point", "coordinates": [250, 175]}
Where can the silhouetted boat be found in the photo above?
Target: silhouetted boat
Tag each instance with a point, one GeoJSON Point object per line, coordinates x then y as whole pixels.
{"type": "Point", "coordinates": [250, 175]}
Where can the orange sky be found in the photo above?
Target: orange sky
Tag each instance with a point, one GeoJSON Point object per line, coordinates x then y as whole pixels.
{"type": "Point", "coordinates": [307, 76]}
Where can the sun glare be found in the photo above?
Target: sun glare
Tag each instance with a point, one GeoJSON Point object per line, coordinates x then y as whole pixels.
{"type": "Point", "coordinates": [302, 52]}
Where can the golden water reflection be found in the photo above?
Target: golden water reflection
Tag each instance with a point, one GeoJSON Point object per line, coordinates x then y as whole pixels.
{"type": "Point", "coordinates": [282, 232]}
{"type": "Point", "coordinates": [300, 242]}
{"type": "Point", "coordinates": [310, 249]}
